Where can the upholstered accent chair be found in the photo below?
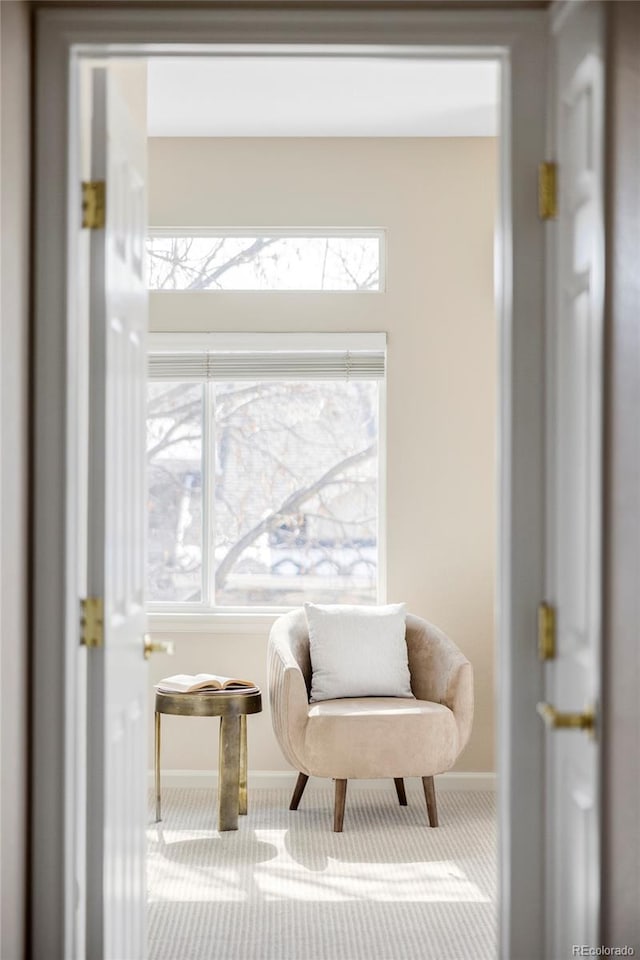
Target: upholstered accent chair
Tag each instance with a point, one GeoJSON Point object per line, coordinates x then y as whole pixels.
{"type": "Point", "coordinates": [371, 737]}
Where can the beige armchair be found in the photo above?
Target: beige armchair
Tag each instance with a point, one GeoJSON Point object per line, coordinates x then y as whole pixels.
{"type": "Point", "coordinates": [371, 737]}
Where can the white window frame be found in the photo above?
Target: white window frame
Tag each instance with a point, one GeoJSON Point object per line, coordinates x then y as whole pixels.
{"type": "Point", "coordinates": [203, 616]}
{"type": "Point", "coordinates": [378, 233]}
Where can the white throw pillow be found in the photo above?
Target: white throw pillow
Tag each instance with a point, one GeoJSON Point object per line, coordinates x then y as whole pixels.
{"type": "Point", "coordinates": [358, 651]}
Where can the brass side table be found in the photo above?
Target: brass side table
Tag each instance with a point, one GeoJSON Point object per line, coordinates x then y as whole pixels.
{"type": "Point", "coordinates": [233, 708]}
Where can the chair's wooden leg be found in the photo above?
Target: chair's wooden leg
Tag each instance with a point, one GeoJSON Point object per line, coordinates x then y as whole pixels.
{"type": "Point", "coordinates": [430, 797]}
{"type": "Point", "coordinates": [402, 797]}
{"type": "Point", "coordinates": [338, 812]}
{"type": "Point", "coordinates": [301, 783]}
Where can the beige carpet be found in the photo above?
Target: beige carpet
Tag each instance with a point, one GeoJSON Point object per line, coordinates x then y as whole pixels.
{"type": "Point", "coordinates": [285, 887]}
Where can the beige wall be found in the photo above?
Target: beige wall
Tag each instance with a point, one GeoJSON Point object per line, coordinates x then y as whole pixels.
{"type": "Point", "coordinates": [436, 201]}
{"type": "Point", "coordinates": [14, 317]}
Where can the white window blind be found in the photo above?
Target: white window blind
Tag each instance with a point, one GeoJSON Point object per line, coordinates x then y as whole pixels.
{"type": "Point", "coordinates": [283, 359]}
{"type": "Point", "coordinates": [268, 365]}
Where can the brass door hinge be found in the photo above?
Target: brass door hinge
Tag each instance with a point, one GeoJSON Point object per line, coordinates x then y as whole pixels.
{"type": "Point", "coordinates": [93, 204]}
{"type": "Point", "coordinates": [546, 632]}
{"type": "Point", "coordinates": [548, 191]}
{"type": "Point", "coordinates": [92, 622]}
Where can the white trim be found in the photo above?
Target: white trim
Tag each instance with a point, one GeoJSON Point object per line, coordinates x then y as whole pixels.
{"type": "Point", "coordinates": [521, 501]}
{"type": "Point", "coordinates": [208, 514]}
{"type": "Point", "coordinates": [246, 341]}
{"type": "Point", "coordinates": [451, 782]}
{"type": "Point", "coordinates": [258, 232]}
{"type": "Point", "coordinates": [245, 623]}
{"type": "Point", "coordinates": [383, 452]}
{"type": "Point", "coordinates": [518, 39]}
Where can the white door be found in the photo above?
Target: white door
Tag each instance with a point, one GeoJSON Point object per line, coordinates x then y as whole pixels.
{"type": "Point", "coordinates": [116, 762]}
{"type": "Point", "coordinates": [575, 338]}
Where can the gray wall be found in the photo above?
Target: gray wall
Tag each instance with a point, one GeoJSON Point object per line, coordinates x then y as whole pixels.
{"type": "Point", "coordinates": [15, 133]}
{"type": "Point", "coordinates": [621, 659]}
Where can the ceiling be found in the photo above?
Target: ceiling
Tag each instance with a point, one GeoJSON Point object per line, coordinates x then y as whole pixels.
{"type": "Point", "coordinates": [321, 97]}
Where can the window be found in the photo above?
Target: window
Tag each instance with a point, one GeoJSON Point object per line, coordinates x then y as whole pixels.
{"type": "Point", "coordinates": [263, 470]}
{"type": "Point", "coordinates": [201, 260]}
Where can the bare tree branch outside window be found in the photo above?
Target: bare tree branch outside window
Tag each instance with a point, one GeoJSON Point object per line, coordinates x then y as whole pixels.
{"type": "Point", "coordinates": [293, 476]}
{"type": "Point", "coordinates": [295, 492]}
{"type": "Point", "coordinates": [264, 263]}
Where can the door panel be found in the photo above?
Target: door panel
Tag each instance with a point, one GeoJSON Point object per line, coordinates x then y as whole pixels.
{"type": "Point", "coordinates": [574, 421]}
{"type": "Point", "coordinates": [117, 672]}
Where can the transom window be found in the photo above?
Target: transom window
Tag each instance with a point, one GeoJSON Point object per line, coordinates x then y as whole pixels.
{"type": "Point", "coordinates": [263, 470]}
{"type": "Point", "coordinates": [276, 260]}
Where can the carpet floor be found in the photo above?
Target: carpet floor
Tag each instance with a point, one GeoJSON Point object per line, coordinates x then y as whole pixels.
{"type": "Point", "coordinates": [285, 887]}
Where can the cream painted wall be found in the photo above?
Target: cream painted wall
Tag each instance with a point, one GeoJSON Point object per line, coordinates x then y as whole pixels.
{"type": "Point", "coordinates": [14, 366]}
{"type": "Point", "coordinates": [436, 201]}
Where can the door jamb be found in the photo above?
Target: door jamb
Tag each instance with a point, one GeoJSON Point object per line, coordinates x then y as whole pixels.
{"type": "Point", "coordinates": [56, 712]}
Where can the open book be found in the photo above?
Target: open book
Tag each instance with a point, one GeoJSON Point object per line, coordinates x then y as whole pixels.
{"type": "Point", "coordinates": [202, 683]}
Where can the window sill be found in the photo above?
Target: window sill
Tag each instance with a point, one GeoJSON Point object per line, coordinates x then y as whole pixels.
{"type": "Point", "coordinates": [248, 624]}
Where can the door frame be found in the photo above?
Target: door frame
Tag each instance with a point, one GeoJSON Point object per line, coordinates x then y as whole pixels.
{"type": "Point", "coordinates": [58, 724]}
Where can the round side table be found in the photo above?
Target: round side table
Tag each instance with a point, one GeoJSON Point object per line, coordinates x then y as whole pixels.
{"type": "Point", "coordinates": [232, 707]}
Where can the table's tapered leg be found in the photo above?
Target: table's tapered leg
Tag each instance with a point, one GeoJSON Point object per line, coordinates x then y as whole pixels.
{"type": "Point", "coordinates": [229, 773]}
{"type": "Point", "coordinates": [157, 765]}
{"type": "Point", "coordinates": [242, 795]}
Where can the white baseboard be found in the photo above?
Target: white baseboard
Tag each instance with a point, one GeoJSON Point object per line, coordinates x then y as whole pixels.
{"type": "Point", "coordinates": [452, 781]}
